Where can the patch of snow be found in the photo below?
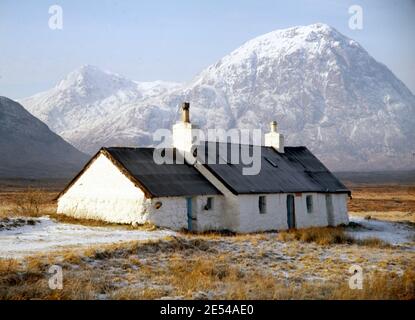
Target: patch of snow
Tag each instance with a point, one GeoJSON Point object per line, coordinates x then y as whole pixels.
{"type": "Point", "coordinates": [394, 233]}
{"type": "Point", "coordinates": [49, 235]}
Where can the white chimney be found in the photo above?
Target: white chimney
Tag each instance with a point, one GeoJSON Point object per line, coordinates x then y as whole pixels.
{"type": "Point", "coordinates": [274, 139]}
{"type": "Point", "coordinates": [185, 134]}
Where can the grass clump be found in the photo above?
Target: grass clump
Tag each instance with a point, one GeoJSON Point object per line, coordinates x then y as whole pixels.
{"type": "Point", "coordinates": [322, 236]}
{"type": "Point", "coordinates": [31, 203]}
{"type": "Point", "coordinates": [327, 236]}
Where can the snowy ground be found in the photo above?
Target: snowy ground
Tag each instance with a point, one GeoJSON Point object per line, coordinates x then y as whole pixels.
{"type": "Point", "coordinates": [46, 235]}
{"type": "Point", "coordinates": [395, 233]}
{"type": "Point", "coordinates": [18, 239]}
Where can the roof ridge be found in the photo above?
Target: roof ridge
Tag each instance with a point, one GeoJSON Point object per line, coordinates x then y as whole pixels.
{"type": "Point", "coordinates": [248, 144]}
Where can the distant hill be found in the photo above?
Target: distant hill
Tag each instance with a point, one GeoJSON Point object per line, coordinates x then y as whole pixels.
{"type": "Point", "coordinates": [29, 149]}
{"type": "Point", "coordinates": [377, 177]}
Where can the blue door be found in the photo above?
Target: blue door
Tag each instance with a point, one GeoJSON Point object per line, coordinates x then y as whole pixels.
{"type": "Point", "coordinates": [189, 213]}
{"type": "Point", "coordinates": [290, 211]}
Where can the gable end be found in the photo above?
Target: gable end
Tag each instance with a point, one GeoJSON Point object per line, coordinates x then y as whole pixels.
{"type": "Point", "coordinates": [118, 165]}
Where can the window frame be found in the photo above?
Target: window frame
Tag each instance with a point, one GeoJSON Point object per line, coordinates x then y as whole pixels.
{"type": "Point", "coordinates": [309, 203]}
{"type": "Point", "coordinates": [262, 204]}
{"type": "Point", "coordinates": [209, 204]}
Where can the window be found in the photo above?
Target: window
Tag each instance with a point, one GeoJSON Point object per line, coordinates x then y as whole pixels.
{"type": "Point", "coordinates": [209, 203]}
{"type": "Point", "coordinates": [309, 202]}
{"type": "Point", "coordinates": [262, 203]}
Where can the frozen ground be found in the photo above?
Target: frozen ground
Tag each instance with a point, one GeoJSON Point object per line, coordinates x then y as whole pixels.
{"type": "Point", "coordinates": [395, 233]}
{"type": "Point", "coordinates": [19, 237]}
{"type": "Point", "coordinates": [45, 235]}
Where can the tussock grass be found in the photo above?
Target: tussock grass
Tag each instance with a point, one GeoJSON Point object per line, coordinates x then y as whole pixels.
{"type": "Point", "coordinates": [201, 274]}
{"type": "Point", "coordinates": [373, 242]}
{"type": "Point", "coordinates": [35, 286]}
{"type": "Point", "coordinates": [73, 257]}
{"type": "Point", "coordinates": [183, 268]}
{"type": "Point", "coordinates": [328, 236]}
{"type": "Point", "coordinates": [8, 265]}
{"type": "Point", "coordinates": [322, 236]}
{"type": "Point", "coordinates": [194, 266]}
{"type": "Point", "coordinates": [383, 286]}
{"type": "Point", "coordinates": [379, 286]}
{"type": "Point", "coordinates": [28, 279]}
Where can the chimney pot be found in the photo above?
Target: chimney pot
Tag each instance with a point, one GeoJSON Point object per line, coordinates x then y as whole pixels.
{"type": "Point", "coordinates": [185, 112]}
{"type": "Point", "coordinates": [274, 126]}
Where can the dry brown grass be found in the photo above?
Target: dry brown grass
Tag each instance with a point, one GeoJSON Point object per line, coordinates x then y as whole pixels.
{"type": "Point", "coordinates": [35, 286]}
{"type": "Point", "coordinates": [195, 278]}
{"type": "Point", "coordinates": [28, 202]}
{"type": "Point", "coordinates": [28, 279]}
{"type": "Point", "coordinates": [185, 268]}
{"type": "Point", "coordinates": [381, 286]}
{"type": "Point", "coordinates": [201, 275]}
{"type": "Point", "coordinates": [328, 236]}
{"type": "Point", "coordinates": [382, 199]}
{"type": "Point", "coordinates": [8, 265]}
{"type": "Point", "coordinates": [395, 216]}
{"type": "Point", "coordinates": [373, 242]}
{"type": "Point", "coordinates": [322, 236]}
{"type": "Point", "coordinates": [99, 223]}
{"type": "Point", "coordinates": [215, 265]}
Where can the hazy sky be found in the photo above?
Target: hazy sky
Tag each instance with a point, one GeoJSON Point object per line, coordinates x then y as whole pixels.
{"type": "Point", "coordinates": [175, 40]}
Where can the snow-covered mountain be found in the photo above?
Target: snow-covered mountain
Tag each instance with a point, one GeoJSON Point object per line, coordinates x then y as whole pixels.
{"type": "Point", "coordinates": [323, 88]}
{"type": "Point", "coordinates": [30, 150]}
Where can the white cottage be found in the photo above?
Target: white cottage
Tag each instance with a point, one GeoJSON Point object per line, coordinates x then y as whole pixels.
{"type": "Point", "coordinates": [293, 189]}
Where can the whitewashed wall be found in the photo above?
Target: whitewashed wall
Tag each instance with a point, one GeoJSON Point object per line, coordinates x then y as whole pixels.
{"type": "Point", "coordinates": [103, 192]}
{"type": "Point", "coordinates": [317, 217]}
{"type": "Point", "coordinates": [213, 219]}
{"type": "Point", "coordinates": [341, 215]}
{"type": "Point", "coordinates": [231, 212]}
{"type": "Point", "coordinates": [172, 213]}
{"type": "Point", "coordinates": [275, 217]}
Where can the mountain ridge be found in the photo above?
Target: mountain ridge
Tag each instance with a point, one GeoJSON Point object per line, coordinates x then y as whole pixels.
{"type": "Point", "coordinates": [29, 149]}
{"type": "Point", "coordinates": [323, 88]}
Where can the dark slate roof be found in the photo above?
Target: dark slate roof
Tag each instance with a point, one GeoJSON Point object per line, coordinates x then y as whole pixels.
{"type": "Point", "coordinates": [161, 180]}
{"type": "Point", "coordinates": [295, 170]}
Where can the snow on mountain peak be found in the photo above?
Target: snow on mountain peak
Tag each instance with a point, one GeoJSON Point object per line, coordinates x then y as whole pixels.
{"type": "Point", "coordinates": [317, 38]}
{"type": "Point", "coordinates": [324, 89]}
{"type": "Point", "coordinates": [89, 77]}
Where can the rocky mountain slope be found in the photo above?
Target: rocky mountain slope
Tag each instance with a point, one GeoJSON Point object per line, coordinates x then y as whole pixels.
{"type": "Point", "coordinates": [29, 149]}
{"type": "Point", "coordinates": [323, 88]}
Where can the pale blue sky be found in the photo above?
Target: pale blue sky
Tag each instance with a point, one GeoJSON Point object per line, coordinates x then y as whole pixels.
{"type": "Point", "coordinates": [175, 40]}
